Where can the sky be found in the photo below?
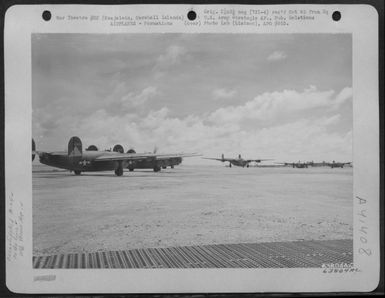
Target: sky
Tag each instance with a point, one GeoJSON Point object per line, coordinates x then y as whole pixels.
{"type": "Point", "coordinates": [286, 97]}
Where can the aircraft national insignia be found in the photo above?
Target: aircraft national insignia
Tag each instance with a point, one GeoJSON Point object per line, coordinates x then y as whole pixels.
{"type": "Point", "coordinates": [84, 162]}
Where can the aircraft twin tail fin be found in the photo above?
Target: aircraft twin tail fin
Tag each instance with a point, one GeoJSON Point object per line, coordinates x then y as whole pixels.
{"type": "Point", "coordinates": [75, 150]}
{"type": "Point", "coordinates": [118, 148]}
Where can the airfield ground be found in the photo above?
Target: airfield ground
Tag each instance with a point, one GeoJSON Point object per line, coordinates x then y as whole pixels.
{"type": "Point", "coordinates": [188, 205]}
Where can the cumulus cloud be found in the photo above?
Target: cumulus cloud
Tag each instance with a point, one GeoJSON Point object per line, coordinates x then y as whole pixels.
{"type": "Point", "coordinates": [330, 120]}
{"type": "Point", "coordinates": [223, 93]}
{"type": "Point", "coordinates": [276, 105]}
{"type": "Point", "coordinates": [223, 130]}
{"type": "Point", "coordinates": [123, 98]}
{"type": "Point", "coordinates": [344, 95]}
{"type": "Point", "coordinates": [303, 139]}
{"type": "Point", "coordinates": [172, 56]}
{"type": "Point", "coordinates": [138, 98]}
{"type": "Point", "coordinates": [276, 56]}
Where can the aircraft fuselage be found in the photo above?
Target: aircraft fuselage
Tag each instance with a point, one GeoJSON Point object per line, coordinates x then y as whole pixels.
{"type": "Point", "coordinates": [337, 165]}
{"type": "Point", "coordinates": [154, 163]}
{"type": "Point", "coordinates": [239, 162]}
{"type": "Point", "coordinates": [84, 163]}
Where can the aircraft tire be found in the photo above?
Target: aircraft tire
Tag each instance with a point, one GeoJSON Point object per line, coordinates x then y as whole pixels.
{"type": "Point", "coordinates": [77, 173]}
{"type": "Point", "coordinates": [172, 167]}
{"type": "Point", "coordinates": [164, 167]}
{"type": "Point", "coordinates": [119, 172]}
{"type": "Point", "coordinates": [157, 169]}
{"type": "Point", "coordinates": [131, 170]}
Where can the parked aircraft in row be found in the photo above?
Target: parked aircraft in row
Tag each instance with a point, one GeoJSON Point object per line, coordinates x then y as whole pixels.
{"type": "Point", "coordinates": [239, 162]}
{"type": "Point", "coordinates": [92, 160]}
{"type": "Point", "coordinates": [300, 164]}
{"type": "Point", "coordinates": [333, 164]}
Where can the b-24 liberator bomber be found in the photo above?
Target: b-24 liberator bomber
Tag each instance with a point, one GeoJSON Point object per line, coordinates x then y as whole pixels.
{"type": "Point", "coordinates": [92, 160]}
{"type": "Point", "coordinates": [301, 165]}
{"type": "Point", "coordinates": [298, 164]}
{"type": "Point", "coordinates": [333, 164]}
{"type": "Point", "coordinates": [239, 162]}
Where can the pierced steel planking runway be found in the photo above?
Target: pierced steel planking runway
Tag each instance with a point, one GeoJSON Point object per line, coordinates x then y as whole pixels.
{"type": "Point", "coordinates": [297, 254]}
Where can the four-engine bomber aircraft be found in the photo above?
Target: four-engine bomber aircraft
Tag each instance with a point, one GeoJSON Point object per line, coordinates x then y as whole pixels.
{"type": "Point", "coordinates": [300, 164]}
{"type": "Point", "coordinates": [239, 162]}
{"type": "Point", "coordinates": [91, 160]}
{"type": "Point", "coordinates": [332, 164]}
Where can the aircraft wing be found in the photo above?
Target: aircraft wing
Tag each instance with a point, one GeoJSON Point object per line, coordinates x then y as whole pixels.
{"type": "Point", "coordinates": [124, 156]}
{"type": "Point", "coordinates": [175, 155]}
{"type": "Point", "coordinates": [140, 156]}
{"type": "Point", "coordinates": [57, 153]}
{"type": "Point", "coordinates": [219, 159]}
{"type": "Point", "coordinates": [258, 160]}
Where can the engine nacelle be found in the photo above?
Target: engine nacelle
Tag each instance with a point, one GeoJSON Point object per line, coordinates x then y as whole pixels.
{"type": "Point", "coordinates": [131, 150]}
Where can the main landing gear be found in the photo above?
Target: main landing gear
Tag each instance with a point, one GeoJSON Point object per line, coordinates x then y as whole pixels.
{"type": "Point", "coordinates": [77, 173]}
{"type": "Point", "coordinates": [119, 169]}
{"type": "Point", "coordinates": [157, 169]}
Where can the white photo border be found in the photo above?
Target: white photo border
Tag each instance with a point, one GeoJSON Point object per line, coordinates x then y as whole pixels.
{"type": "Point", "coordinates": [359, 20]}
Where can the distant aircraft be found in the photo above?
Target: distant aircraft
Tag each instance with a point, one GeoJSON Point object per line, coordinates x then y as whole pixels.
{"type": "Point", "coordinates": [298, 164]}
{"type": "Point", "coordinates": [92, 160]}
{"type": "Point", "coordinates": [335, 164]}
{"type": "Point", "coordinates": [316, 164]}
{"type": "Point", "coordinates": [239, 162]}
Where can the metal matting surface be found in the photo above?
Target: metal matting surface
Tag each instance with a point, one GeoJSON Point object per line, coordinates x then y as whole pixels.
{"type": "Point", "coordinates": [298, 254]}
